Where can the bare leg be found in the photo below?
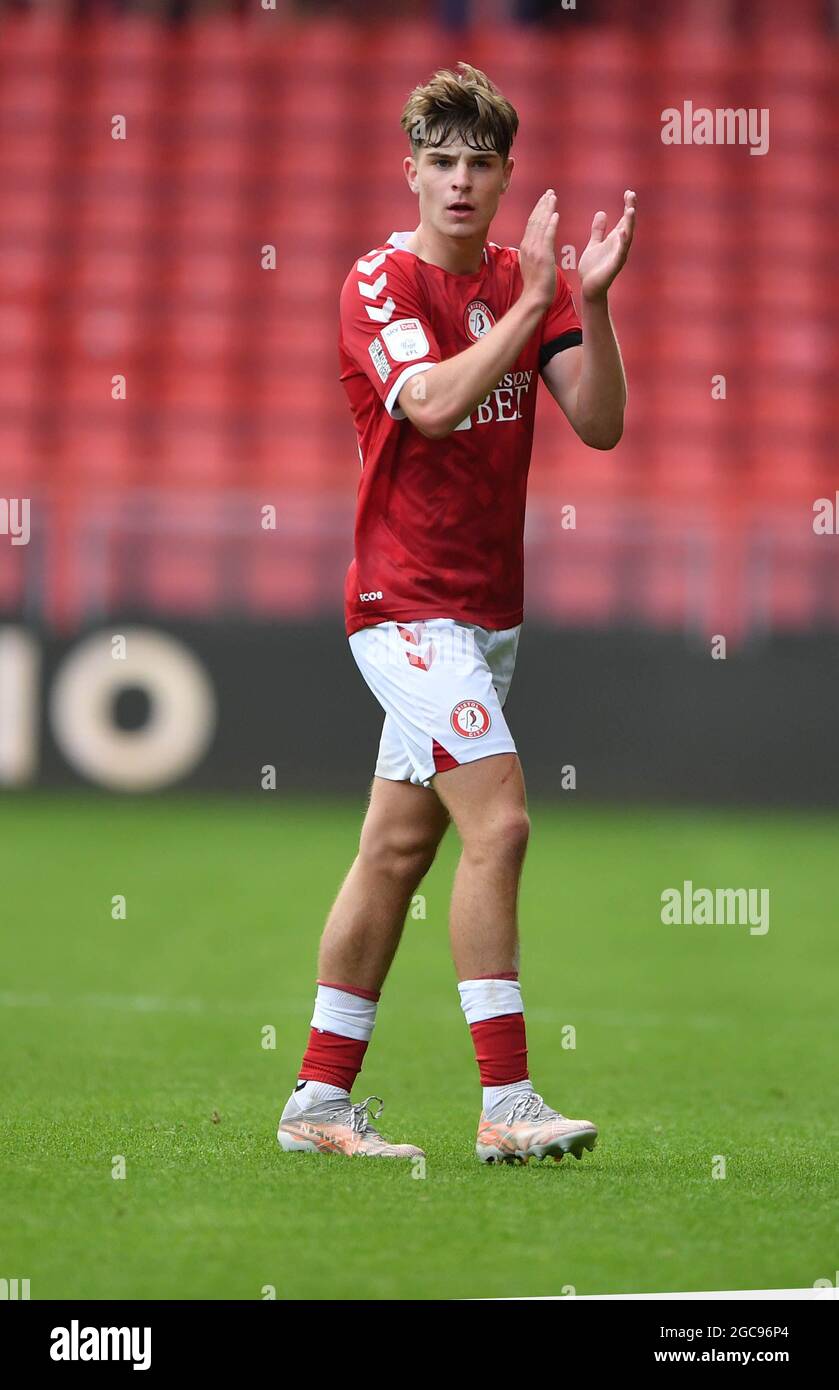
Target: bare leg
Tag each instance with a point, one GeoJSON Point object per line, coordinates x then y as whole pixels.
{"type": "Point", "coordinates": [486, 800]}
{"type": "Point", "coordinates": [402, 829]}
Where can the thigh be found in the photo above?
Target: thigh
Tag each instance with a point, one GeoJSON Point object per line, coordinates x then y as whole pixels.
{"type": "Point", "coordinates": [404, 815]}
{"type": "Point", "coordinates": [482, 791]}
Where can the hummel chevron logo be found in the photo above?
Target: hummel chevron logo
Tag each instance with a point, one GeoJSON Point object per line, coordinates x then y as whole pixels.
{"type": "Point", "coordinates": [417, 658]}
{"type": "Point", "coordinates": [373, 291]}
{"type": "Point", "coordinates": [367, 267]}
{"type": "Point", "coordinates": [383, 315]}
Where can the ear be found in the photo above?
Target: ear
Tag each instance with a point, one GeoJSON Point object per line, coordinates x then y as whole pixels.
{"type": "Point", "coordinates": [508, 174]}
{"type": "Point", "coordinates": [411, 172]}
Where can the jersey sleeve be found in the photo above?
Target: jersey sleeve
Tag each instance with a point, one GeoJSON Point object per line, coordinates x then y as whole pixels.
{"type": "Point", "coordinates": [562, 327]}
{"type": "Point", "coordinates": [385, 328]}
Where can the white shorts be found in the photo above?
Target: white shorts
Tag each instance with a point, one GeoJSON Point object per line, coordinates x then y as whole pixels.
{"type": "Point", "coordinates": [442, 685]}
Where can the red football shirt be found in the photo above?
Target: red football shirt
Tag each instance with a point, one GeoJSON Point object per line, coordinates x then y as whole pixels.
{"type": "Point", "coordinates": [439, 529]}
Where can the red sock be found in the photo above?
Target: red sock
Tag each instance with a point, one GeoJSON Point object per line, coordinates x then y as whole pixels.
{"type": "Point", "coordinates": [501, 1049]}
{"type": "Point", "coordinates": [493, 1008]}
{"type": "Point", "coordinates": [341, 1029]}
{"type": "Point", "coordinates": [333, 1059]}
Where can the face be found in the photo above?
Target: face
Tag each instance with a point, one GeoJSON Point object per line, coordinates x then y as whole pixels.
{"type": "Point", "coordinates": [459, 187]}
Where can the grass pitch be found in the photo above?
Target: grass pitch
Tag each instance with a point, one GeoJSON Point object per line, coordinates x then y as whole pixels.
{"type": "Point", "coordinates": [699, 1049]}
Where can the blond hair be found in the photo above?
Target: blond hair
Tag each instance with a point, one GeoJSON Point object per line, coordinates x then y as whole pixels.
{"type": "Point", "coordinates": [463, 103]}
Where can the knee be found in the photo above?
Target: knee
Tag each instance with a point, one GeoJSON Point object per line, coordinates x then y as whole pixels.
{"type": "Point", "coordinates": [502, 834]}
{"type": "Point", "coordinates": [402, 854]}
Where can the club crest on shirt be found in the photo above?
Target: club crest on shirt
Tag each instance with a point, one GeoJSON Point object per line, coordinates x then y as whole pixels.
{"type": "Point", "coordinates": [470, 719]}
{"type": "Point", "coordinates": [478, 319]}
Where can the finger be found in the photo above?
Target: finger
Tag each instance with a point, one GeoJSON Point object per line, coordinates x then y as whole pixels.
{"type": "Point", "coordinates": [537, 224]}
{"type": "Point", "coordinates": [540, 220]}
{"type": "Point", "coordinates": [549, 208]}
{"type": "Point", "coordinates": [598, 226]}
{"type": "Point", "coordinates": [549, 235]}
{"type": "Point", "coordinates": [539, 201]}
{"type": "Point", "coordinates": [627, 226]}
{"type": "Point", "coordinates": [628, 216]}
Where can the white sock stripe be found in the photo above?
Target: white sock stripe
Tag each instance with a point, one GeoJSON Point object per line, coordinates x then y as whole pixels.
{"type": "Point", "coordinates": [349, 1015]}
{"type": "Point", "coordinates": [316, 1091]}
{"type": "Point", "coordinates": [481, 999]}
{"type": "Point", "coordinates": [496, 1096]}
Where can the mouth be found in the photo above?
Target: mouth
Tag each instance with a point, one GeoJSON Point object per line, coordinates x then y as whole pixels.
{"type": "Point", "coordinates": [460, 207]}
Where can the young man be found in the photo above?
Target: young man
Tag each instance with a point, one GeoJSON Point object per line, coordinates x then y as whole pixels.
{"type": "Point", "coordinates": [443, 337]}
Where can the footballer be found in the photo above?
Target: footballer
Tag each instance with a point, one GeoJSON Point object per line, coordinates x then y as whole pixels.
{"type": "Point", "coordinates": [443, 338]}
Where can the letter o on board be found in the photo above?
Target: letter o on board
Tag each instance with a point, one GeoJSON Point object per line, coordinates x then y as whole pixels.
{"type": "Point", "coordinates": [182, 716]}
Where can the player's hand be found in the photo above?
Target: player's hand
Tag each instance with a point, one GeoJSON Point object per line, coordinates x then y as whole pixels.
{"type": "Point", "coordinates": [604, 255]}
{"type": "Point", "coordinates": [537, 256]}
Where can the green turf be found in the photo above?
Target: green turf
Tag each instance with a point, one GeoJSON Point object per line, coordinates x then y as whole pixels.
{"type": "Point", "coordinates": [142, 1038]}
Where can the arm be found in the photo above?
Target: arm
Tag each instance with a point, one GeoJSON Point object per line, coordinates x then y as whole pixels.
{"type": "Point", "coordinates": [436, 400]}
{"type": "Point", "coordinates": [588, 382]}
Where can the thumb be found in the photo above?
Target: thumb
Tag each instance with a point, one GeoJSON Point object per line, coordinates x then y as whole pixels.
{"type": "Point", "coordinates": [598, 226]}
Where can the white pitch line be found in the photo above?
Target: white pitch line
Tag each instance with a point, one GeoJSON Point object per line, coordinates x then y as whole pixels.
{"type": "Point", "coordinates": [151, 1003]}
{"type": "Point", "coordinates": [142, 1003]}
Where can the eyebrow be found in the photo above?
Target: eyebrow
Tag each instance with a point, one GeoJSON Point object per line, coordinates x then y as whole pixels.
{"type": "Point", "coordinates": [473, 154]}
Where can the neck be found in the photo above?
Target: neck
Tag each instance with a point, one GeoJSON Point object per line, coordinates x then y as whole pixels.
{"type": "Point", "coordinates": [458, 255]}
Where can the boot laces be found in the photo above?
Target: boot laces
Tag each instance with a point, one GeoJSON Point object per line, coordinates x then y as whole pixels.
{"type": "Point", "coordinates": [529, 1106]}
{"type": "Point", "coordinates": [360, 1118]}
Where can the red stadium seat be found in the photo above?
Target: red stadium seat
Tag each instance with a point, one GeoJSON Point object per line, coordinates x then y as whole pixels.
{"type": "Point", "coordinates": [142, 256]}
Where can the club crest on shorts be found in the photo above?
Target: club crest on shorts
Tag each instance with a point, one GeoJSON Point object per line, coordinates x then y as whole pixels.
{"type": "Point", "coordinates": [470, 719]}
{"type": "Point", "coordinates": [478, 318]}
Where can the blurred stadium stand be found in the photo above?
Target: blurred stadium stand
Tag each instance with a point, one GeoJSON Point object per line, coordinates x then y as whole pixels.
{"type": "Point", "coordinates": [142, 257]}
